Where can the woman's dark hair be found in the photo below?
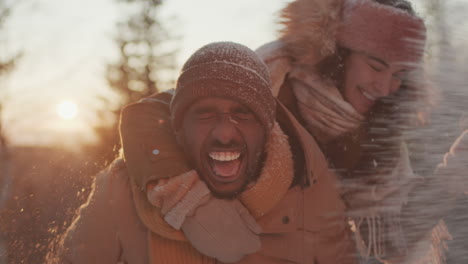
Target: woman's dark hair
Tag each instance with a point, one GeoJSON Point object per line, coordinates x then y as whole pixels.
{"type": "Point", "coordinates": [332, 67]}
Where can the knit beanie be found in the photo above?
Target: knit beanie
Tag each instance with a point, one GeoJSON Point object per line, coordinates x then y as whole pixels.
{"type": "Point", "coordinates": [226, 70]}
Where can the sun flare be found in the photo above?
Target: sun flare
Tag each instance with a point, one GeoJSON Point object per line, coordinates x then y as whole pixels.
{"type": "Point", "coordinates": [67, 110]}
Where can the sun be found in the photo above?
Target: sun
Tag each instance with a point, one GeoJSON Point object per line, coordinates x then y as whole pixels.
{"type": "Point", "coordinates": [67, 110]}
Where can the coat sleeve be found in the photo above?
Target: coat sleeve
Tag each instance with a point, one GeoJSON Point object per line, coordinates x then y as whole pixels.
{"type": "Point", "coordinates": [92, 237]}
{"type": "Point", "coordinates": [151, 153]}
{"type": "Point", "coordinates": [149, 144]}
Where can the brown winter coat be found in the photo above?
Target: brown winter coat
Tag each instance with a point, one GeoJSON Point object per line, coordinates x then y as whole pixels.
{"type": "Point", "coordinates": [307, 226]}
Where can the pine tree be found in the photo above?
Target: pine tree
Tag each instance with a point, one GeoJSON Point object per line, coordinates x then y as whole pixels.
{"type": "Point", "coordinates": [146, 56]}
{"type": "Point", "coordinates": [7, 63]}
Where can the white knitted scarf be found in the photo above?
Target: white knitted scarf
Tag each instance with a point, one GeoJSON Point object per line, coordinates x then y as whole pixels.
{"type": "Point", "coordinates": [326, 114]}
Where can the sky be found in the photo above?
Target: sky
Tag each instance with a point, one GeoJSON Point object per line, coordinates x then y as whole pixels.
{"type": "Point", "coordinates": [66, 44]}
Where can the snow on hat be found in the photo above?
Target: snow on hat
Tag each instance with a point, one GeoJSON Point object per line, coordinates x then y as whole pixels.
{"type": "Point", "coordinates": [389, 33]}
{"type": "Point", "coordinates": [228, 70]}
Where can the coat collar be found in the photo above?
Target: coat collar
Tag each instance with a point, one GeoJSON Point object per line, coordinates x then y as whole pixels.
{"type": "Point", "coordinates": [315, 162]}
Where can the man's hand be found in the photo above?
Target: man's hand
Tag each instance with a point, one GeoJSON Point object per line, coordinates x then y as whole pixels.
{"type": "Point", "coordinates": [223, 229]}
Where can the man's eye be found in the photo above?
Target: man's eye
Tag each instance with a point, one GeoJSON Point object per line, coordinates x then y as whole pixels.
{"type": "Point", "coordinates": [243, 116]}
{"type": "Point", "coordinates": [206, 116]}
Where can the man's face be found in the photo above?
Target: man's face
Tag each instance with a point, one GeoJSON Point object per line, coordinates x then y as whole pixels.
{"type": "Point", "coordinates": [368, 78]}
{"type": "Point", "coordinates": [225, 142]}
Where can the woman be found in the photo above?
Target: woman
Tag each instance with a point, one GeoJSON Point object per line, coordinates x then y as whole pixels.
{"type": "Point", "coordinates": [349, 71]}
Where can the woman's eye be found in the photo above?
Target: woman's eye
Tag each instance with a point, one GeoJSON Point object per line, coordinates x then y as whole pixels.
{"type": "Point", "coordinates": [376, 68]}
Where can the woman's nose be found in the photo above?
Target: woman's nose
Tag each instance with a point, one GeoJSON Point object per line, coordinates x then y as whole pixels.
{"type": "Point", "coordinates": [387, 84]}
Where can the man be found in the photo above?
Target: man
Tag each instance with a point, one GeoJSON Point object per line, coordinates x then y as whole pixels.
{"type": "Point", "coordinates": [223, 115]}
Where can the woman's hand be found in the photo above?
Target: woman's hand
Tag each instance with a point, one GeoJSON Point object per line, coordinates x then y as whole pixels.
{"type": "Point", "coordinates": [455, 166]}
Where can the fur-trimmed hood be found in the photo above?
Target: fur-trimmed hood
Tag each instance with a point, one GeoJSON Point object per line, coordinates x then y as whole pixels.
{"type": "Point", "coordinates": [313, 28]}
{"type": "Point", "coordinates": [310, 27]}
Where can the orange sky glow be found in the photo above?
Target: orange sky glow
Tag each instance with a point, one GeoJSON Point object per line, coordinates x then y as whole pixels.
{"type": "Point", "coordinates": [66, 44]}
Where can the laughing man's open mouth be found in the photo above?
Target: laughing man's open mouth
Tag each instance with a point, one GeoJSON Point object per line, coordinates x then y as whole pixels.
{"type": "Point", "coordinates": [225, 164]}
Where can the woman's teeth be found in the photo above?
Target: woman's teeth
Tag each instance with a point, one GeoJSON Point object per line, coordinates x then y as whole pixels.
{"type": "Point", "coordinates": [367, 95]}
{"type": "Point", "coordinates": [224, 156]}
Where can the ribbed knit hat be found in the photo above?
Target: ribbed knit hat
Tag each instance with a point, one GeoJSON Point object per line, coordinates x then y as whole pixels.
{"type": "Point", "coordinates": [227, 70]}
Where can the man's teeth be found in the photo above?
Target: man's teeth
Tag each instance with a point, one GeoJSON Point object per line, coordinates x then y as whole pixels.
{"type": "Point", "coordinates": [224, 156]}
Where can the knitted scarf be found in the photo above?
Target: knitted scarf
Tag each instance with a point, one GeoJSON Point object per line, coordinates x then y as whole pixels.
{"type": "Point", "coordinates": [326, 114]}
{"type": "Point", "coordinates": [274, 181]}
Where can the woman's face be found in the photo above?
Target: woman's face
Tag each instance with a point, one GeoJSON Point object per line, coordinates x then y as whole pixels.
{"type": "Point", "coordinates": [368, 78]}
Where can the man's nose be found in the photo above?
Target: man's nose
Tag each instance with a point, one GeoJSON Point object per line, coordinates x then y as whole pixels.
{"type": "Point", "coordinates": [225, 130]}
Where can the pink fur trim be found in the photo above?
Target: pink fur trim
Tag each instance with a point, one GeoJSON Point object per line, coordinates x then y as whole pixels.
{"type": "Point", "coordinates": [383, 31]}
